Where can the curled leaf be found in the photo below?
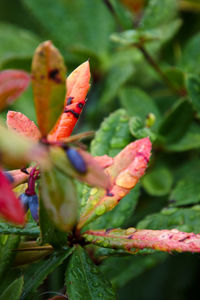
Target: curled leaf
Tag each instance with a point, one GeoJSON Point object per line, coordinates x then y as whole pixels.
{"type": "Point", "coordinates": [125, 171]}
{"type": "Point", "coordinates": [48, 77]}
{"type": "Point", "coordinates": [23, 125]}
{"type": "Point", "coordinates": [10, 206]}
{"type": "Point", "coordinates": [77, 88]}
{"type": "Point", "coordinates": [132, 239]}
{"type": "Point", "coordinates": [19, 177]}
{"type": "Point", "coordinates": [12, 84]}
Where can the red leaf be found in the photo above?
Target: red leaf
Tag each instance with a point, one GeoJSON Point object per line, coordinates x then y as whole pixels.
{"type": "Point", "coordinates": [10, 206]}
{"type": "Point", "coordinates": [12, 84]}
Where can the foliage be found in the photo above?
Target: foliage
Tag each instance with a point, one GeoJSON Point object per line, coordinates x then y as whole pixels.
{"type": "Point", "coordinates": [144, 104]}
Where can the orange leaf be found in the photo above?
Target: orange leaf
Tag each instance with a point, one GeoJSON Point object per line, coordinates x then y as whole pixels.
{"type": "Point", "coordinates": [10, 206]}
{"type": "Point", "coordinates": [23, 125]}
{"type": "Point", "coordinates": [77, 88]}
{"type": "Point", "coordinates": [12, 84]}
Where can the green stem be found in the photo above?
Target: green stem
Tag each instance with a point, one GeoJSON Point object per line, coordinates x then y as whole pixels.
{"type": "Point", "coordinates": [156, 67]}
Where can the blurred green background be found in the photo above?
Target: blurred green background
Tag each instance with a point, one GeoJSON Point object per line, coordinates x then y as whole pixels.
{"type": "Point", "coordinates": [145, 65]}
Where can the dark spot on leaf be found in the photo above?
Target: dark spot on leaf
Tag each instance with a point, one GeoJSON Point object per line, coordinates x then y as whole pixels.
{"type": "Point", "coordinates": [172, 201]}
{"type": "Point", "coordinates": [108, 230]}
{"type": "Point", "coordinates": [80, 105]}
{"type": "Point", "coordinates": [76, 115]}
{"type": "Point", "coordinates": [69, 100]}
{"type": "Point", "coordinates": [41, 53]}
{"type": "Point", "coordinates": [109, 194]}
{"type": "Point", "coordinates": [141, 154]}
{"type": "Point", "coordinates": [185, 238]}
{"type": "Point", "coordinates": [53, 75]}
{"type": "Point", "coordinates": [130, 236]}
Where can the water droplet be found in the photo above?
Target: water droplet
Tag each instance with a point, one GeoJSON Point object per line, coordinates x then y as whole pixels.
{"type": "Point", "coordinates": [196, 207]}
{"type": "Point", "coordinates": [175, 231]}
{"type": "Point", "coordinates": [89, 238]}
{"type": "Point", "coordinates": [95, 271]}
{"type": "Point", "coordinates": [169, 211]}
{"type": "Point", "coordinates": [105, 244]}
{"type": "Point", "coordinates": [100, 210]}
{"type": "Point", "coordinates": [93, 191]}
{"type": "Point", "coordinates": [130, 230]}
{"type": "Point", "coordinates": [105, 127]}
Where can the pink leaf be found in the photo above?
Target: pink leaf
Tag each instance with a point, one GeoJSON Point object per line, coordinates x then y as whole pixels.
{"type": "Point", "coordinates": [125, 171]}
{"type": "Point", "coordinates": [131, 239]}
{"type": "Point", "coordinates": [12, 84]}
{"type": "Point", "coordinates": [23, 125]}
{"type": "Point", "coordinates": [19, 177]}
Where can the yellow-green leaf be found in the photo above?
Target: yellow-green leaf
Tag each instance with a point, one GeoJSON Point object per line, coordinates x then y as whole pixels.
{"type": "Point", "coordinates": [48, 75]}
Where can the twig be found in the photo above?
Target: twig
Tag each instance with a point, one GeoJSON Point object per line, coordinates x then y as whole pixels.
{"type": "Point", "coordinates": [189, 6]}
{"type": "Point", "coordinates": [156, 67]}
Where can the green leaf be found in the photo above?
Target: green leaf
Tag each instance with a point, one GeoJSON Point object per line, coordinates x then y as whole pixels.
{"type": "Point", "coordinates": [140, 36]}
{"type": "Point", "coordinates": [93, 17]}
{"type": "Point", "coordinates": [131, 37]}
{"type": "Point", "coordinates": [124, 16]}
{"type": "Point", "coordinates": [158, 180]}
{"type": "Point", "coordinates": [191, 140]}
{"type": "Point", "coordinates": [14, 290]}
{"type": "Point", "coordinates": [84, 280]}
{"type": "Point", "coordinates": [184, 219]}
{"type": "Point", "coordinates": [187, 189]}
{"type": "Point", "coordinates": [59, 198]}
{"type": "Point", "coordinates": [7, 244]}
{"type": "Point", "coordinates": [177, 121]}
{"type": "Point", "coordinates": [16, 43]}
{"type": "Point", "coordinates": [158, 12]}
{"type": "Point", "coordinates": [113, 135]}
{"type": "Point", "coordinates": [36, 273]}
{"type": "Point", "coordinates": [120, 215]}
{"type": "Point", "coordinates": [49, 233]}
{"type": "Point", "coordinates": [139, 129]}
{"type": "Point", "coordinates": [48, 78]}
{"type": "Point", "coordinates": [120, 270]}
{"type": "Point", "coordinates": [31, 229]}
{"type": "Point", "coordinates": [116, 78]}
{"type": "Point", "coordinates": [190, 58]}
{"type": "Point", "coordinates": [177, 77]}
{"type": "Point", "coordinates": [138, 104]}
{"type": "Point", "coordinates": [193, 88]}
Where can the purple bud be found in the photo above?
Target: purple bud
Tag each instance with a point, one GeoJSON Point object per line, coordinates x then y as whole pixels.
{"type": "Point", "coordinates": [76, 160]}
{"type": "Point", "coordinates": [34, 207]}
{"type": "Point", "coordinates": [24, 201]}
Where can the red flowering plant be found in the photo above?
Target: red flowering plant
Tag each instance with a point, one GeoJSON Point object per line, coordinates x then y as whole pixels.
{"type": "Point", "coordinates": [53, 219]}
